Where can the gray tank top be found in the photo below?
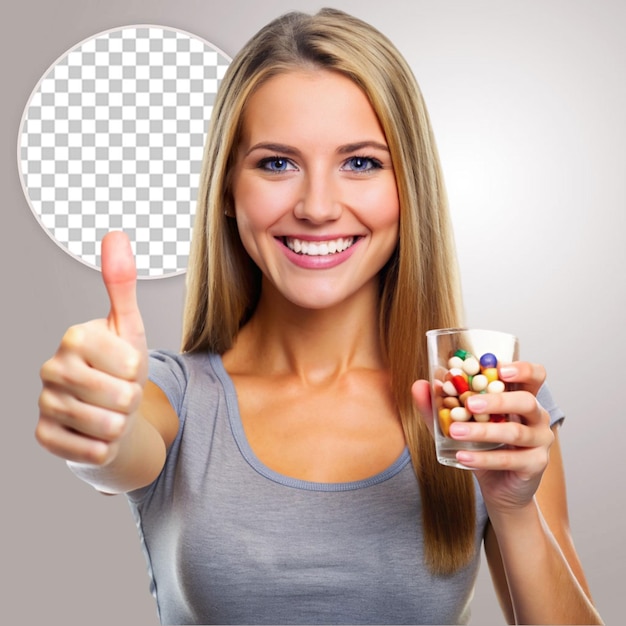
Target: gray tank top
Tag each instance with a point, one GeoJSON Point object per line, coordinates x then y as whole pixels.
{"type": "Point", "coordinates": [229, 541]}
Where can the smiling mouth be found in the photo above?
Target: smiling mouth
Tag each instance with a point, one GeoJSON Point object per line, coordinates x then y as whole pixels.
{"type": "Point", "coordinates": [319, 248]}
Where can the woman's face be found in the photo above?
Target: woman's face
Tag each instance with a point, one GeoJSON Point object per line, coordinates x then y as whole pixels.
{"type": "Point", "coordinates": [314, 190]}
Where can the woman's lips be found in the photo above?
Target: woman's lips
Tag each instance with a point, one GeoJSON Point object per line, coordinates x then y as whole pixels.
{"type": "Point", "coordinates": [318, 248]}
{"type": "Point", "coordinates": [320, 253]}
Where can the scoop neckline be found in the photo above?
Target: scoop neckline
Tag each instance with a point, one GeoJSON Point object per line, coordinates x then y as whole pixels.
{"type": "Point", "coordinates": [236, 425]}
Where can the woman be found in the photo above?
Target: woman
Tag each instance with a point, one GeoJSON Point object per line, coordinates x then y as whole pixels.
{"type": "Point", "coordinates": [281, 468]}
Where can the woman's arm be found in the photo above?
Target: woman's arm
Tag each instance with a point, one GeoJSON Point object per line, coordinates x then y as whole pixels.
{"type": "Point", "coordinates": [96, 409]}
{"type": "Point", "coordinates": [536, 572]}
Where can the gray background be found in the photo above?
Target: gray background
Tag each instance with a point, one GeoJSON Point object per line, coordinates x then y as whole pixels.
{"type": "Point", "coordinates": [527, 100]}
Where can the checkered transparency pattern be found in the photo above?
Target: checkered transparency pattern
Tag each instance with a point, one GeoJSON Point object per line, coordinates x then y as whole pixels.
{"type": "Point", "coordinates": [112, 139]}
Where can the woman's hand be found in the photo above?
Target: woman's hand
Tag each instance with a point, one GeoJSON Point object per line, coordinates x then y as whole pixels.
{"type": "Point", "coordinates": [508, 476]}
{"type": "Point", "coordinates": [94, 383]}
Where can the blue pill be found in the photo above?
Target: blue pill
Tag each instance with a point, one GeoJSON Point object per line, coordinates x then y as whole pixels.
{"type": "Point", "coordinates": [488, 360]}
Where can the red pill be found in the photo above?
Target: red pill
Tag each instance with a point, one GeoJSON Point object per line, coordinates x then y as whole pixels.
{"type": "Point", "coordinates": [497, 417]}
{"type": "Point", "coordinates": [460, 384]}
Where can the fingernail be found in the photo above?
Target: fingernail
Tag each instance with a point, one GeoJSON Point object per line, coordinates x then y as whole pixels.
{"type": "Point", "coordinates": [458, 429]}
{"type": "Point", "coordinates": [476, 404]}
{"type": "Point", "coordinates": [508, 371]}
{"type": "Point", "coordinates": [464, 457]}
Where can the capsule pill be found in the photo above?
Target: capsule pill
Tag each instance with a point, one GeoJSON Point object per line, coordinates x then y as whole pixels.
{"type": "Point", "coordinates": [479, 382]}
{"type": "Point", "coordinates": [455, 362]}
{"type": "Point", "coordinates": [471, 366]}
{"type": "Point", "coordinates": [460, 384]}
{"type": "Point", "coordinates": [449, 402]}
{"type": "Point", "coordinates": [460, 414]}
{"type": "Point", "coordinates": [495, 386]}
{"type": "Point", "coordinates": [449, 389]}
{"type": "Point", "coordinates": [444, 421]}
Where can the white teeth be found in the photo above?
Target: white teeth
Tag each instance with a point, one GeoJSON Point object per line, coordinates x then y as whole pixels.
{"type": "Point", "coordinates": [319, 248]}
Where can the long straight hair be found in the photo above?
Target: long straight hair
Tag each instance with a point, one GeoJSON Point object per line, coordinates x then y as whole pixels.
{"type": "Point", "coordinates": [419, 284]}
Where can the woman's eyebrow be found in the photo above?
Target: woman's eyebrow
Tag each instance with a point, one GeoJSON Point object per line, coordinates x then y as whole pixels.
{"type": "Point", "coordinates": [361, 145]}
{"type": "Point", "coordinates": [278, 148]}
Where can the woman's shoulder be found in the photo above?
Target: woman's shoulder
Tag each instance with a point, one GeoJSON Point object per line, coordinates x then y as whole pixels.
{"type": "Point", "coordinates": [177, 373]}
{"type": "Point", "coordinates": [547, 401]}
{"type": "Point", "coordinates": [185, 363]}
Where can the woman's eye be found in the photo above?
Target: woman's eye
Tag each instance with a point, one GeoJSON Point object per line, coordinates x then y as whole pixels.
{"type": "Point", "coordinates": [276, 164]}
{"type": "Point", "coordinates": [362, 164]}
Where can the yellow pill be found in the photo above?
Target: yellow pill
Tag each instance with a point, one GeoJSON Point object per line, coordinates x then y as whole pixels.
{"type": "Point", "coordinates": [491, 373]}
{"type": "Point", "coordinates": [444, 422]}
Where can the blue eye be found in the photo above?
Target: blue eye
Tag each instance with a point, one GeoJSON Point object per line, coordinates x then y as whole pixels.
{"type": "Point", "coordinates": [362, 164]}
{"type": "Point", "coordinates": [276, 164]}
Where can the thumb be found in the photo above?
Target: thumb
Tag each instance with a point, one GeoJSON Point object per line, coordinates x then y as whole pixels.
{"type": "Point", "coordinates": [120, 278]}
{"type": "Point", "coordinates": [422, 400]}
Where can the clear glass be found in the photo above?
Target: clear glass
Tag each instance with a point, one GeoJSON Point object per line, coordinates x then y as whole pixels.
{"type": "Point", "coordinates": [464, 361]}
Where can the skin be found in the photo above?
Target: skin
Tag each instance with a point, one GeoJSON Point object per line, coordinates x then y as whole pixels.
{"type": "Point", "coordinates": [313, 332]}
{"type": "Point", "coordinates": [313, 166]}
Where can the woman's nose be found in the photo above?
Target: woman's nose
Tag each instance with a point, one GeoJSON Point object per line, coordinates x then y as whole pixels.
{"type": "Point", "coordinates": [319, 200]}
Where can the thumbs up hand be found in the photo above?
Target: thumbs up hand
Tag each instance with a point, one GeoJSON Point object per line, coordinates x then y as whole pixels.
{"type": "Point", "coordinates": [120, 279]}
{"type": "Point", "coordinates": [93, 385]}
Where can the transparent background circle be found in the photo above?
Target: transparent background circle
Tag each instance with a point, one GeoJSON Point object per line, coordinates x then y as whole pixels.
{"type": "Point", "coordinates": [112, 139]}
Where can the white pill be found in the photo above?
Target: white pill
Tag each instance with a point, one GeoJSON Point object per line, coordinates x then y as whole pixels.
{"type": "Point", "coordinates": [449, 389]}
{"type": "Point", "coordinates": [455, 362]}
{"type": "Point", "coordinates": [471, 366]}
{"type": "Point", "coordinates": [495, 386]}
{"type": "Point", "coordinates": [479, 382]}
{"type": "Point", "coordinates": [460, 414]}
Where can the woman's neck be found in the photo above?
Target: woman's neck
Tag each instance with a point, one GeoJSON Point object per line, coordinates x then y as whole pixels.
{"type": "Point", "coordinates": [316, 345]}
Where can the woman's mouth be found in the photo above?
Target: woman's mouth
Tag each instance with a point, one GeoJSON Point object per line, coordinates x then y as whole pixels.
{"type": "Point", "coordinates": [318, 248]}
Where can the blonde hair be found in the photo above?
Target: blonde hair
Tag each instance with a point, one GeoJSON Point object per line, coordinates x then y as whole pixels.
{"type": "Point", "coordinates": [419, 285]}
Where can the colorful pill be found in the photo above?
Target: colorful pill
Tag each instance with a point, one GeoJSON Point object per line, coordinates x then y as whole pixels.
{"type": "Point", "coordinates": [495, 386]}
{"type": "Point", "coordinates": [482, 417]}
{"type": "Point", "coordinates": [455, 362]}
{"type": "Point", "coordinates": [491, 373]}
{"type": "Point", "coordinates": [449, 402]}
{"type": "Point", "coordinates": [462, 354]}
{"type": "Point", "coordinates": [444, 421]}
{"type": "Point", "coordinates": [464, 396]}
{"type": "Point", "coordinates": [479, 382]}
{"type": "Point", "coordinates": [488, 360]}
{"type": "Point", "coordinates": [460, 414]}
{"type": "Point", "coordinates": [449, 389]}
{"type": "Point", "coordinates": [471, 366]}
{"type": "Point", "coordinates": [497, 417]}
{"type": "Point", "coordinates": [460, 384]}
{"type": "Point", "coordinates": [456, 371]}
